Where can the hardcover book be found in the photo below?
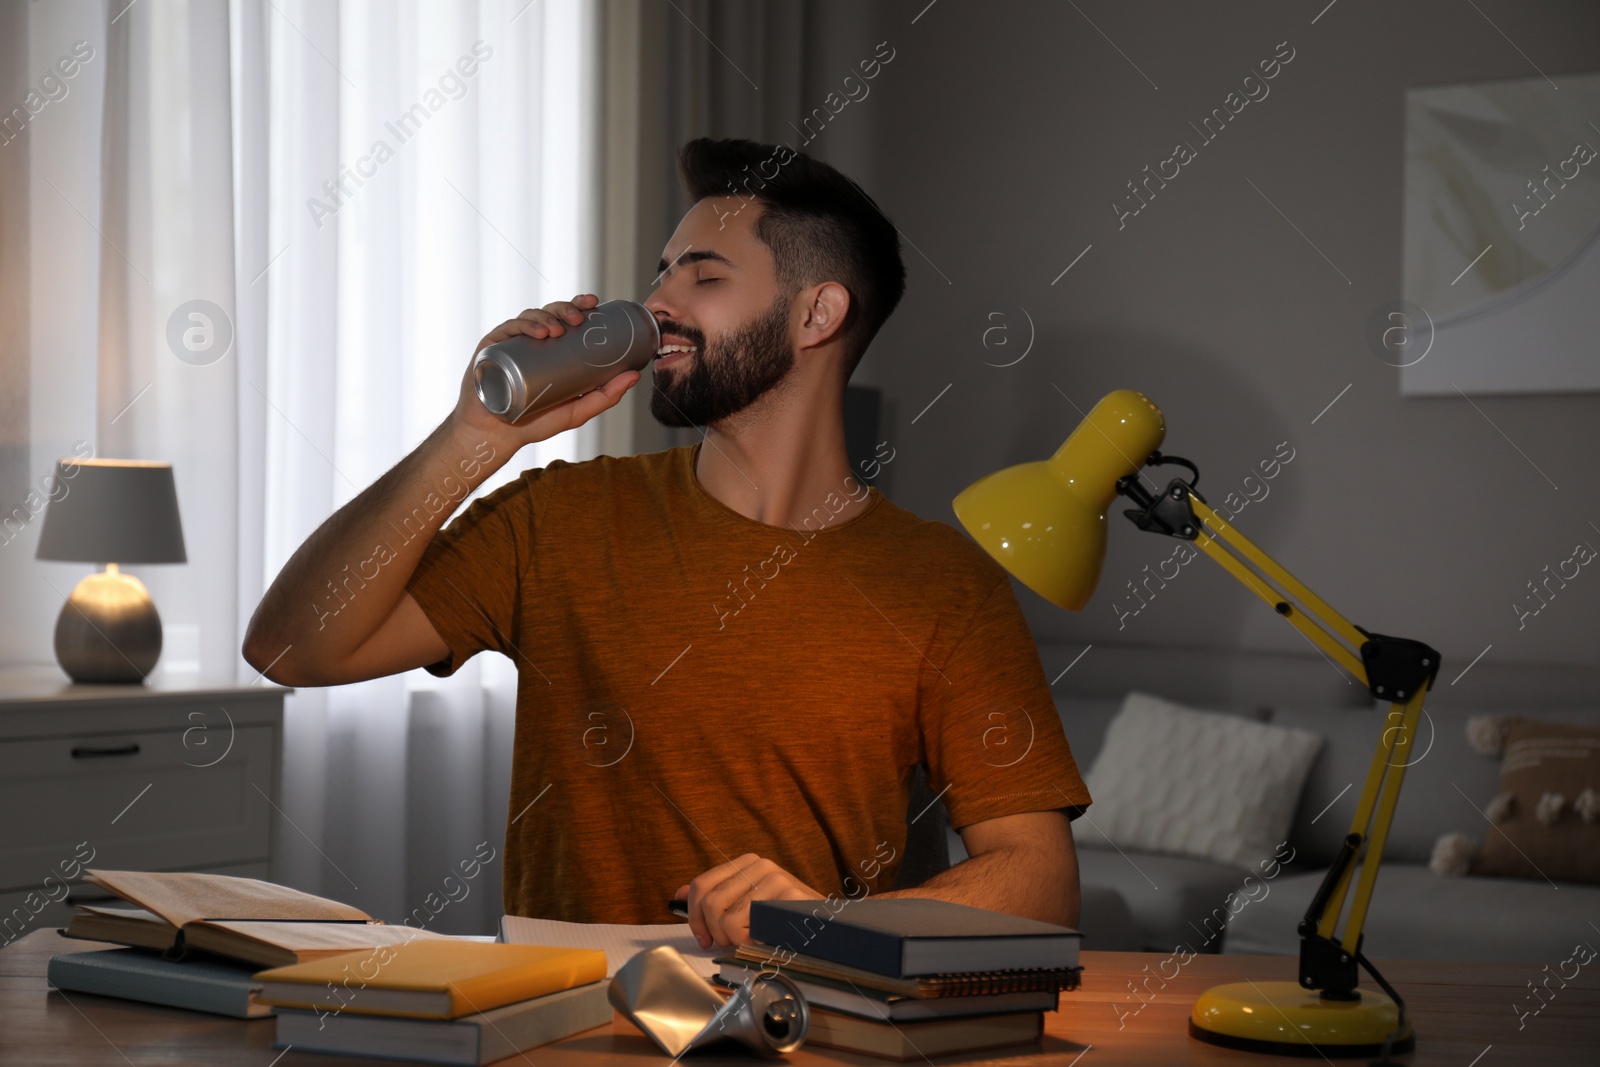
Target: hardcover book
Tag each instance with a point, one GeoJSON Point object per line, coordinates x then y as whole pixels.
{"type": "Point", "coordinates": [431, 979]}
{"type": "Point", "coordinates": [918, 1041]}
{"type": "Point", "coordinates": [221, 987]}
{"type": "Point", "coordinates": [470, 1041]}
{"type": "Point", "coordinates": [903, 937]}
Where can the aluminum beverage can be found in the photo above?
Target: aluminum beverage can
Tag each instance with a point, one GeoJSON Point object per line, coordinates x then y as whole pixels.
{"type": "Point", "coordinates": [522, 376]}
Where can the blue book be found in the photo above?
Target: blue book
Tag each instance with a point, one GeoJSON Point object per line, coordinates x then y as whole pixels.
{"type": "Point", "coordinates": [217, 986]}
{"type": "Point", "coordinates": [902, 937]}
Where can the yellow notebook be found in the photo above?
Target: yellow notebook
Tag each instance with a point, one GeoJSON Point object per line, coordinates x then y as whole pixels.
{"type": "Point", "coordinates": [430, 979]}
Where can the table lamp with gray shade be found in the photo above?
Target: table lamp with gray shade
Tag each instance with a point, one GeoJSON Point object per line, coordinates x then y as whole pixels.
{"type": "Point", "coordinates": [113, 511]}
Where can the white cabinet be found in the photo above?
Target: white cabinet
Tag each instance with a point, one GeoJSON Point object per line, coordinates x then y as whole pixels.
{"type": "Point", "coordinates": [144, 777]}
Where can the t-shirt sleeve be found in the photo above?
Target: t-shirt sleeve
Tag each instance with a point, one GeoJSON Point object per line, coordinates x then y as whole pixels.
{"type": "Point", "coordinates": [991, 733]}
{"type": "Point", "coordinates": [469, 580]}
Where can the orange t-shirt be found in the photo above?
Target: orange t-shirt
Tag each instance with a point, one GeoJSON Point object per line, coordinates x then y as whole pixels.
{"type": "Point", "coordinates": [694, 685]}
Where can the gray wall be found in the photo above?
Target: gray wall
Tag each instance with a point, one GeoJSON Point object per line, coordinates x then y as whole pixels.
{"type": "Point", "coordinates": [997, 139]}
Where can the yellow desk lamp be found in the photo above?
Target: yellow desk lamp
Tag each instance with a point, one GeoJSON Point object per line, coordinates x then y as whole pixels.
{"type": "Point", "coordinates": [1045, 523]}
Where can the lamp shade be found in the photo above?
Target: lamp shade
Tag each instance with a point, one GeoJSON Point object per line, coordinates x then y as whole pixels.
{"type": "Point", "coordinates": [1045, 521]}
{"type": "Point", "coordinates": [113, 511]}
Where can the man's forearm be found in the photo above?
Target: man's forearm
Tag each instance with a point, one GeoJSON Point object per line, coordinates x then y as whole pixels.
{"type": "Point", "coordinates": [346, 578]}
{"type": "Point", "coordinates": [1014, 879]}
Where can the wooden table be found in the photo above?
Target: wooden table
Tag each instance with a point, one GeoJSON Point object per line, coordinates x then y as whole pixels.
{"type": "Point", "coordinates": [1463, 1013]}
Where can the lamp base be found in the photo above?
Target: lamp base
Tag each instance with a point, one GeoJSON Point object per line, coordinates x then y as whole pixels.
{"type": "Point", "coordinates": [108, 630]}
{"type": "Point", "coordinates": [1284, 1019]}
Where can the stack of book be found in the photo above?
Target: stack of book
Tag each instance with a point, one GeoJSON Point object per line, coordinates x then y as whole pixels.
{"type": "Point", "coordinates": [449, 1002]}
{"type": "Point", "coordinates": [198, 939]}
{"type": "Point", "coordinates": [339, 981]}
{"type": "Point", "coordinates": [905, 978]}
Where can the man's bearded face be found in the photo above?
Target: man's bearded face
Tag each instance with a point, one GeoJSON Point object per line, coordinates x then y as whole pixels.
{"type": "Point", "coordinates": [725, 374]}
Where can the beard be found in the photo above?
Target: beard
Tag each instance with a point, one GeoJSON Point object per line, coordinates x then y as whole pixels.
{"type": "Point", "coordinates": [726, 375]}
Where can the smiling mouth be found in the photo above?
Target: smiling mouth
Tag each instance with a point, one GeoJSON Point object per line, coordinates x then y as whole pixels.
{"type": "Point", "coordinates": [667, 353]}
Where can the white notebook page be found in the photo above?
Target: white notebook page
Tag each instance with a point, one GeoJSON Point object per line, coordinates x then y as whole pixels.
{"type": "Point", "coordinates": [618, 942]}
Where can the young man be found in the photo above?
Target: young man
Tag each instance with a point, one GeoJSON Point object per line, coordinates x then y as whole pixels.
{"type": "Point", "coordinates": [731, 656]}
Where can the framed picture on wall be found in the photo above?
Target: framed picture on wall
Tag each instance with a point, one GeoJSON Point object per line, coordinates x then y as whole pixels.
{"type": "Point", "coordinates": [1502, 239]}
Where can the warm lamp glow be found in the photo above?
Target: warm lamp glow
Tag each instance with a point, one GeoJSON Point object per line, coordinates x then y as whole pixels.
{"type": "Point", "coordinates": [111, 509]}
{"type": "Point", "coordinates": [108, 630]}
{"type": "Point", "coordinates": [1045, 521]}
{"type": "Point", "coordinates": [112, 592]}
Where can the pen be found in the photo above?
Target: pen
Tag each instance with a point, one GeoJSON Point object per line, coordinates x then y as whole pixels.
{"type": "Point", "coordinates": [679, 908]}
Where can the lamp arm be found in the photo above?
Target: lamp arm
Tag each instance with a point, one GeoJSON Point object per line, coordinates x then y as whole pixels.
{"type": "Point", "coordinates": [1392, 668]}
{"type": "Point", "coordinates": [1398, 670]}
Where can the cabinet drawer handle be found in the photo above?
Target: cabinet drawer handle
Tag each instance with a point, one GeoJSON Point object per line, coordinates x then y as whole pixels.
{"type": "Point", "coordinates": [89, 752]}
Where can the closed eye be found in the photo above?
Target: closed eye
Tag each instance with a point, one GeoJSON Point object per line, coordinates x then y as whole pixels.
{"type": "Point", "coordinates": [707, 281]}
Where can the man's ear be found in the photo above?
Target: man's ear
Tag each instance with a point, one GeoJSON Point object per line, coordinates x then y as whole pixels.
{"type": "Point", "coordinates": [824, 314]}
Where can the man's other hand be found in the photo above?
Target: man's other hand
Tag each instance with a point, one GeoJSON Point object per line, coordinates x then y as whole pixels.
{"type": "Point", "coordinates": [719, 900]}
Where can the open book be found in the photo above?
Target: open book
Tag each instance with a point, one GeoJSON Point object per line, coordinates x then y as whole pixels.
{"type": "Point", "coordinates": [242, 918]}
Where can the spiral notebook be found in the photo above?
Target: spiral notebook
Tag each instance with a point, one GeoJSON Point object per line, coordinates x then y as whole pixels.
{"type": "Point", "coordinates": [968, 984]}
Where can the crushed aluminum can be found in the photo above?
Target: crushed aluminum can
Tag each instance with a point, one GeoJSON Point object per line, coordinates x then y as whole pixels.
{"type": "Point", "coordinates": [659, 992]}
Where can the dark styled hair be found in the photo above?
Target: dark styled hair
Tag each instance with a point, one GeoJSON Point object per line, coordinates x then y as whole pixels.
{"type": "Point", "coordinates": [820, 225]}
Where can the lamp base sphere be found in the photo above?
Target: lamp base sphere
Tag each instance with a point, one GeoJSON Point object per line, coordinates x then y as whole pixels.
{"type": "Point", "coordinates": [1283, 1019]}
{"type": "Point", "coordinates": [108, 630]}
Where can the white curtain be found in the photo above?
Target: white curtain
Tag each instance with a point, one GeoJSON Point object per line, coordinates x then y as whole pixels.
{"type": "Point", "coordinates": [357, 192]}
{"type": "Point", "coordinates": [410, 206]}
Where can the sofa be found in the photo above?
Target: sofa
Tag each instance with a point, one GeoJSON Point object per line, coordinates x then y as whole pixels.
{"type": "Point", "coordinates": [1145, 901]}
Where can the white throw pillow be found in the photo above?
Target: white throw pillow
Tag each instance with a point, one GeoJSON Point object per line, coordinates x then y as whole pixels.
{"type": "Point", "coordinates": [1172, 779]}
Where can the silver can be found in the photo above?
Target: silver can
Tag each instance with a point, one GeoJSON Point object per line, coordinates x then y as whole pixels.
{"type": "Point", "coordinates": [522, 376]}
{"type": "Point", "coordinates": [657, 991]}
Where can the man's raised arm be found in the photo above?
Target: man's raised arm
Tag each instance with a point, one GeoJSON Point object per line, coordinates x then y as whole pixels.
{"type": "Point", "coordinates": [294, 639]}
